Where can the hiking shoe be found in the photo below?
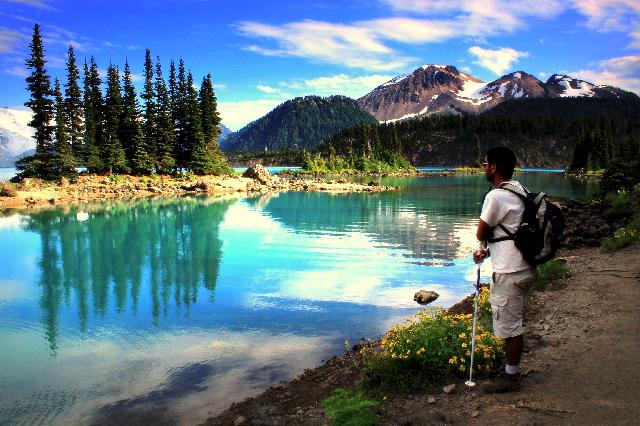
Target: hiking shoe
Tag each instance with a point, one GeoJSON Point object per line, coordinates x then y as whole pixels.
{"type": "Point", "coordinates": [503, 383]}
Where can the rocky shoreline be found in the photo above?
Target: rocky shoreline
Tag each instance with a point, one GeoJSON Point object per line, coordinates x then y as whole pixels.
{"type": "Point", "coordinates": [36, 193]}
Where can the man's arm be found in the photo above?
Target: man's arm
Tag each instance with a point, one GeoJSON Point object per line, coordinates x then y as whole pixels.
{"type": "Point", "coordinates": [483, 233]}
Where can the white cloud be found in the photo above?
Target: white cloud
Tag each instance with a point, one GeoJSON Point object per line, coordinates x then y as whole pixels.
{"type": "Point", "coordinates": [497, 61]}
{"type": "Point", "coordinates": [366, 44]}
{"type": "Point", "coordinates": [635, 35]}
{"type": "Point", "coordinates": [340, 84]}
{"type": "Point", "coordinates": [609, 15]}
{"type": "Point", "coordinates": [8, 40]}
{"type": "Point", "coordinates": [266, 89]}
{"type": "Point", "coordinates": [40, 4]}
{"type": "Point", "coordinates": [354, 46]}
{"type": "Point", "coordinates": [17, 71]}
{"type": "Point", "coordinates": [236, 114]}
{"type": "Point", "coordinates": [623, 72]}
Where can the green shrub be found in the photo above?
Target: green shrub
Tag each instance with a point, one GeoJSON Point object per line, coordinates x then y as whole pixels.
{"type": "Point", "coordinates": [433, 346]}
{"type": "Point", "coordinates": [551, 271]}
{"type": "Point", "coordinates": [620, 174]}
{"type": "Point", "coordinates": [620, 199]}
{"type": "Point", "coordinates": [623, 237]}
{"type": "Point", "coordinates": [349, 408]}
{"type": "Point", "coordinates": [115, 178]}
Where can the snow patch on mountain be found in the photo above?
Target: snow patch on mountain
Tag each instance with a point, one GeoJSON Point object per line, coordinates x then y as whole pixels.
{"type": "Point", "coordinates": [582, 88]}
{"type": "Point", "coordinates": [472, 90]}
{"type": "Point", "coordinates": [396, 80]}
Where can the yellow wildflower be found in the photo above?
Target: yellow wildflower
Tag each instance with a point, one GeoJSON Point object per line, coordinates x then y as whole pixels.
{"type": "Point", "coordinates": [462, 335]}
{"type": "Point", "coordinates": [464, 345]}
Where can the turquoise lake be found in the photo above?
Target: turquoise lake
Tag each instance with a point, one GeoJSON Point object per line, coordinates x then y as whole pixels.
{"type": "Point", "coordinates": [167, 310]}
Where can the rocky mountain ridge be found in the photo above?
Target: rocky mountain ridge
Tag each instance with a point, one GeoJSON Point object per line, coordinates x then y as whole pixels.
{"type": "Point", "coordinates": [443, 88]}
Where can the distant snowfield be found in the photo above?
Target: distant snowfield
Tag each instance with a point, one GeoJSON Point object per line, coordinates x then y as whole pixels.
{"type": "Point", "coordinates": [16, 136]}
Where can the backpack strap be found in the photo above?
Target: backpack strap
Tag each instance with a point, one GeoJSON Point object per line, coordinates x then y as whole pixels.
{"type": "Point", "coordinates": [510, 235]}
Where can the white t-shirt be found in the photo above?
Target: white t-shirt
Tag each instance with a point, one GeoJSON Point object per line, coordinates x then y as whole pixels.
{"type": "Point", "coordinates": [503, 207]}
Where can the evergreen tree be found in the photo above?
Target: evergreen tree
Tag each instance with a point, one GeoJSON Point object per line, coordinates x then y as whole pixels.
{"type": "Point", "coordinates": [211, 127]}
{"type": "Point", "coordinates": [164, 136]}
{"type": "Point", "coordinates": [181, 105]}
{"type": "Point", "coordinates": [197, 154]}
{"type": "Point", "coordinates": [173, 90]}
{"type": "Point", "coordinates": [148, 96]}
{"type": "Point", "coordinates": [39, 86]}
{"type": "Point", "coordinates": [131, 136]}
{"type": "Point", "coordinates": [64, 162]}
{"type": "Point", "coordinates": [209, 108]}
{"type": "Point", "coordinates": [93, 121]}
{"type": "Point", "coordinates": [112, 151]}
{"type": "Point", "coordinates": [73, 106]}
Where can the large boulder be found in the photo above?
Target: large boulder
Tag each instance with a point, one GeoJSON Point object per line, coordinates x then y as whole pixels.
{"type": "Point", "coordinates": [425, 296]}
{"type": "Point", "coordinates": [259, 173]}
{"type": "Point", "coordinates": [8, 191]}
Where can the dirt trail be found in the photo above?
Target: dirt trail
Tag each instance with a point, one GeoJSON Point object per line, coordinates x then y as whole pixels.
{"type": "Point", "coordinates": [583, 345]}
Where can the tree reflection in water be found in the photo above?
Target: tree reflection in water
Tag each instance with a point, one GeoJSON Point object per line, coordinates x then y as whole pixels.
{"type": "Point", "coordinates": [111, 248]}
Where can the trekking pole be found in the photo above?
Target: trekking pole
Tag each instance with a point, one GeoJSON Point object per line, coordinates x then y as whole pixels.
{"type": "Point", "coordinates": [470, 383]}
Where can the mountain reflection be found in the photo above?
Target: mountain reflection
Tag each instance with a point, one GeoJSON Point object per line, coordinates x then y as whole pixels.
{"type": "Point", "coordinates": [106, 251]}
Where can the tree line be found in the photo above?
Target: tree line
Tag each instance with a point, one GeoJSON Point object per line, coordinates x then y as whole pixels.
{"type": "Point", "coordinates": [577, 133]}
{"type": "Point", "coordinates": [175, 129]}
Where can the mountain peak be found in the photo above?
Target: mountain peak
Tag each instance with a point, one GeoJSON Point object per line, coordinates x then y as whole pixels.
{"type": "Point", "coordinates": [435, 88]}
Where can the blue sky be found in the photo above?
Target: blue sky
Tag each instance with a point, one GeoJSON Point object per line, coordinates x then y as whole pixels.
{"type": "Point", "coordinates": [261, 53]}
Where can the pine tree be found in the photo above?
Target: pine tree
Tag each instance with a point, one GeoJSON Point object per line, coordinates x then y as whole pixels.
{"type": "Point", "coordinates": [197, 154]}
{"type": "Point", "coordinates": [173, 90]}
{"type": "Point", "coordinates": [73, 106]}
{"type": "Point", "coordinates": [209, 109]}
{"type": "Point", "coordinates": [148, 96]}
{"type": "Point", "coordinates": [93, 121]}
{"type": "Point", "coordinates": [112, 151]}
{"type": "Point", "coordinates": [133, 142]}
{"type": "Point", "coordinates": [64, 162]}
{"type": "Point", "coordinates": [39, 85]}
{"type": "Point", "coordinates": [164, 136]}
{"type": "Point", "coordinates": [211, 127]}
{"type": "Point", "coordinates": [181, 101]}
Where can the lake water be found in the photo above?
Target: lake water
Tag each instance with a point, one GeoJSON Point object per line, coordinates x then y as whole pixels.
{"type": "Point", "coordinates": [171, 309]}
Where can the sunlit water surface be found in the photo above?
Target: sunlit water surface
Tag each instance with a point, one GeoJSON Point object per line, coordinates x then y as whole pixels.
{"type": "Point", "coordinates": [168, 310]}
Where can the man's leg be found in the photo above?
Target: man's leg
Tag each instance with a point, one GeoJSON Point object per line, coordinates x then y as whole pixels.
{"type": "Point", "coordinates": [513, 352]}
{"type": "Point", "coordinates": [507, 300]}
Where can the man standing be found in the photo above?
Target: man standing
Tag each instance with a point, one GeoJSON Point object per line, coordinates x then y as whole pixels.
{"type": "Point", "coordinates": [512, 274]}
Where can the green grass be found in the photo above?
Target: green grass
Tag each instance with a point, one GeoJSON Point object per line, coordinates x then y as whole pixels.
{"type": "Point", "coordinates": [549, 272]}
{"type": "Point", "coordinates": [350, 408]}
{"type": "Point", "coordinates": [623, 237]}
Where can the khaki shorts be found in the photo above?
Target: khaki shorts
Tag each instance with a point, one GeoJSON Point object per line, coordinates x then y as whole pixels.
{"type": "Point", "coordinates": [507, 299]}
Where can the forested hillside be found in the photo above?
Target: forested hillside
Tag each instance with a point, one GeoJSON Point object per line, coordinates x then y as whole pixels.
{"type": "Point", "coordinates": [543, 133]}
{"type": "Point", "coordinates": [298, 124]}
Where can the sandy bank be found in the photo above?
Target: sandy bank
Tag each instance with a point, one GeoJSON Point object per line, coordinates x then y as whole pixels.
{"type": "Point", "coordinates": [32, 193]}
